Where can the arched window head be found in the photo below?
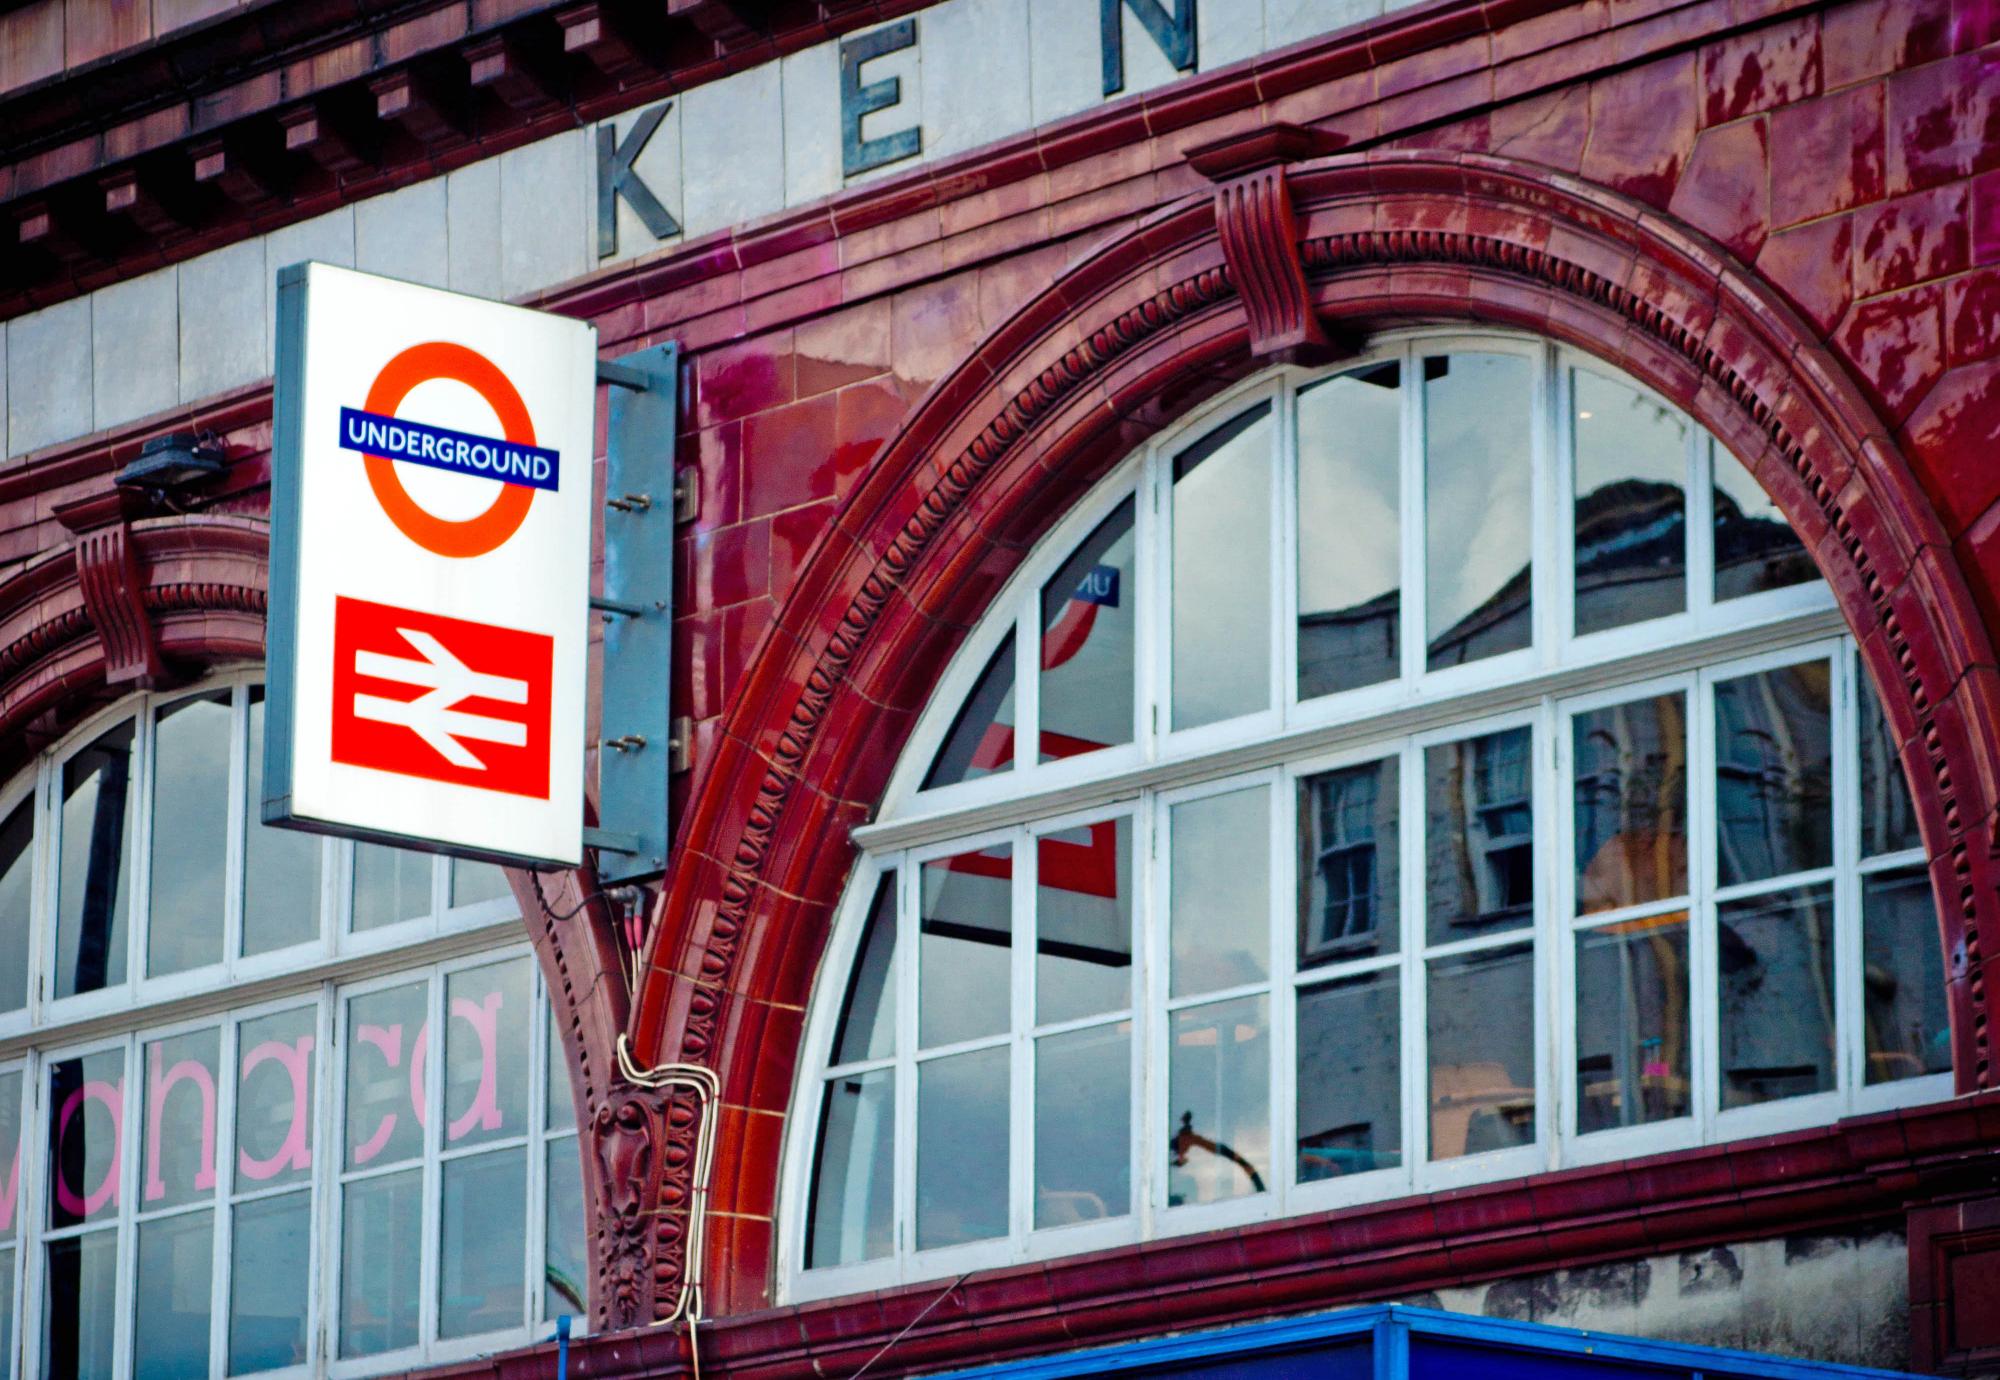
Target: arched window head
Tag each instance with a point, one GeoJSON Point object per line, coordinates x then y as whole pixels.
{"type": "Point", "coordinates": [1441, 768]}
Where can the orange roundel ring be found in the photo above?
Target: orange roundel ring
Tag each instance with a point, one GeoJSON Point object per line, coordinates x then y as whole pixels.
{"type": "Point", "coordinates": [473, 536]}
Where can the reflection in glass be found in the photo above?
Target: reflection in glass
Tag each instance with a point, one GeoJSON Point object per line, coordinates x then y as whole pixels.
{"type": "Point", "coordinates": [1350, 571]}
{"type": "Point", "coordinates": [1350, 1076]}
{"type": "Point", "coordinates": [1478, 480]}
{"type": "Point", "coordinates": [1775, 955]}
{"type": "Point", "coordinates": [1902, 977]}
{"type": "Point", "coordinates": [965, 929]}
{"type": "Point", "coordinates": [1088, 617]}
{"type": "Point", "coordinates": [274, 1099]}
{"type": "Point", "coordinates": [170, 1319]}
{"type": "Point", "coordinates": [1888, 819]}
{"type": "Point", "coordinates": [86, 1111]}
{"type": "Point", "coordinates": [7, 1304]}
{"type": "Point", "coordinates": [1631, 803]}
{"type": "Point", "coordinates": [1222, 582]}
{"type": "Point", "coordinates": [268, 1281]}
{"type": "Point", "coordinates": [94, 880]}
{"type": "Point", "coordinates": [1219, 1101]}
{"type": "Point", "coordinates": [868, 1016]}
{"type": "Point", "coordinates": [390, 886]}
{"type": "Point", "coordinates": [1773, 773]}
{"type": "Point", "coordinates": [17, 880]}
{"type": "Point", "coordinates": [1631, 504]}
{"type": "Point", "coordinates": [12, 1143]}
{"type": "Point", "coordinates": [382, 1033]}
{"type": "Point", "coordinates": [487, 1024]}
{"type": "Point", "coordinates": [559, 1113]}
{"type": "Point", "coordinates": [483, 1229]}
{"type": "Point", "coordinates": [962, 1150]}
{"type": "Point", "coordinates": [1348, 863]}
{"type": "Point", "coordinates": [190, 833]}
{"type": "Point", "coordinates": [79, 1309]}
{"type": "Point", "coordinates": [1632, 1022]}
{"type": "Point", "coordinates": [1083, 918]}
{"type": "Point", "coordinates": [1755, 548]}
{"type": "Point", "coordinates": [1481, 1016]}
{"type": "Point", "coordinates": [1083, 1125]}
{"type": "Point", "coordinates": [565, 1252]}
{"type": "Point", "coordinates": [280, 866]}
{"type": "Point", "coordinates": [1221, 890]}
{"type": "Point", "coordinates": [381, 1247]}
{"type": "Point", "coordinates": [981, 741]}
{"type": "Point", "coordinates": [178, 1119]}
{"type": "Point", "coordinates": [854, 1172]}
{"type": "Point", "coordinates": [472, 882]}
{"type": "Point", "coordinates": [1479, 827]}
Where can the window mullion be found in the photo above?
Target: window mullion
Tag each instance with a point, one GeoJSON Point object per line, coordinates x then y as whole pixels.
{"type": "Point", "coordinates": [235, 849]}
{"type": "Point", "coordinates": [329, 1103]}
{"type": "Point", "coordinates": [433, 1176]}
{"type": "Point", "coordinates": [1703, 1001]}
{"type": "Point", "coordinates": [1415, 1053]}
{"type": "Point", "coordinates": [1551, 929]}
{"type": "Point", "coordinates": [906, 1060]}
{"type": "Point", "coordinates": [222, 1231]}
{"type": "Point", "coordinates": [1021, 1063]}
{"type": "Point", "coordinates": [536, 1235]}
{"type": "Point", "coordinates": [1282, 999]}
{"type": "Point", "coordinates": [1849, 1024]}
{"type": "Point", "coordinates": [132, 1140]}
{"type": "Point", "coordinates": [139, 851]}
{"type": "Point", "coordinates": [1414, 514]}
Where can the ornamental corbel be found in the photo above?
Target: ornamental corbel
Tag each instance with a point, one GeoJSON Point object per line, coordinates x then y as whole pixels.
{"type": "Point", "coordinates": [113, 588]}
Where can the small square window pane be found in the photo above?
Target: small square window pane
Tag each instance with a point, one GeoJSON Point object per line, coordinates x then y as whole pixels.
{"type": "Point", "coordinates": [1350, 1076]}
{"type": "Point", "coordinates": [85, 1111]}
{"type": "Point", "coordinates": [1774, 773]}
{"type": "Point", "coordinates": [1222, 582]}
{"type": "Point", "coordinates": [176, 1271]}
{"type": "Point", "coordinates": [1220, 875]}
{"type": "Point", "coordinates": [381, 1250]}
{"type": "Point", "coordinates": [269, 1267]}
{"type": "Point", "coordinates": [17, 880]}
{"type": "Point", "coordinates": [1478, 487]}
{"type": "Point", "coordinates": [1349, 863]}
{"type": "Point", "coordinates": [190, 833]}
{"type": "Point", "coordinates": [80, 1307]}
{"type": "Point", "coordinates": [94, 876]}
{"type": "Point", "coordinates": [868, 1015]}
{"type": "Point", "coordinates": [489, 1017]}
{"type": "Point", "coordinates": [560, 1112]}
{"type": "Point", "coordinates": [981, 741]}
{"type": "Point", "coordinates": [1219, 1101]}
{"type": "Point", "coordinates": [1089, 614]}
{"type": "Point", "coordinates": [1482, 1051]}
{"type": "Point", "coordinates": [1888, 818]}
{"type": "Point", "coordinates": [280, 866]}
{"type": "Point", "coordinates": [1479, 835]}
{"type": "Point", "coordinates": [483, 1246]}
{"type": "Point", "coordinates": [473, 882]}
{"type": "Point", "coordinates": [384, 1090]}
{"type": "Point", "coordinates": [962, 1148]}
{"type": "Point", "coordinates": [1350, 530]}
{"type": "Point", "coordinates": [391, 885]}
{"type": "Point", "coordinates": [1631, 504]}
{"type": "Point", "coordinates": [1775, 955]}
{"type": "Point", "coordinates": [854, 1172]}
{"type": "Point", "coordinates": [1632, 1023]}
{"type": "Point", "coordinates": [178, 1120]}
{"type": "Point", "coordinates": [1902, 977]}
{"type": "Point", "coordinates": [966, 933]}
{"type": "Point", "coordinates": [1083, 919]}
{"type": "Point", "coordinates": [565, 1251]}
{"type": "Point", "coordinates": [1631, 803]}
{"type": "Point", "coordinates": [1755, 548]}
{"type": "Point", "coordinates": [1083, 1125]}
{"type": "Point", "coordinates": [274, 1099]}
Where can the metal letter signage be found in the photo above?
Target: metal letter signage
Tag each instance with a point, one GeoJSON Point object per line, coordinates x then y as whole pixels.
{"type": "Point", "coordinates": [616, 178]}
{"type": "Point", "coordinates": [858, 155]}
{"type": "Point", "coordinates": [1172, 33]}
{"type": "Point", "coordinates": [430, 568]}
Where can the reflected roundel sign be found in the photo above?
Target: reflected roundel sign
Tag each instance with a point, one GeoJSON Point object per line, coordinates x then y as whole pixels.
{"type": "Point", "coordinates": [459, 538]}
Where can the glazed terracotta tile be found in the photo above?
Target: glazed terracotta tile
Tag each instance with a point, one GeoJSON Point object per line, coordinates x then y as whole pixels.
{"type": "Point", "coordinates": [1829, 154]}
{"type": "Point", "coordinates": [1767, 67]}
{"type": "Point", "coordinates": [1642, 126]}
{"type": "Point", "coordinates": [1725, 188]}
{"type": "Point", "coordinates": [1912, 239]}
{"type": "Point", "coordinates": [1812, 265]}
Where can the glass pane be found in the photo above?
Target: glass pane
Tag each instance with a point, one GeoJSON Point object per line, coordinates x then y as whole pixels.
{"type": "Point", "coordinates": [1902, 977]}
{"type": "Point", "coordinates": [1482, 1039]}
{"type": "Point", "coordinates": [190, 833]}
{"type": "Point", "coordinates": [1631, 803]}
{"type": "Point", "coordinates": [91, 899]}
{"type": "Point", "coordinates": [1479, 835]}
{"type": "Point", "coordinates": [1632, 1023]}
{"type": "Point", "coordinates": [1755, 548]}
{"type": "Point", "coordinates": [1631, 504]}
{"type": "Point", "coordinates": [854, 1173]}
{"type": "Point", "coordinates": [486, 1052]}
{"type": "Point", "coordinates": [17, 883]}
{"type": "Point", "coordinates": [1083, 1125]}
{"type": "Point", "coordinates": [1088, 619]}
{"type": "Point", "coordinates": [1219, 1101]}
{"type": "Point", "coordinates": [385, 1089]}
{"type": "Point", "coordinates": [390, 886]}
{"type": "Point", "coordinates": [483, 1213]}
{"type": "Point", "coordinates": [274, 1100]}
{"type": "Point", "coordinates": [962, 1159]}
{"type": "Point", "coordinates": [86, 1111]}
{"type": "Point", "coordinates": [13, 1140]}
{"type": "Point", "coordinates": [1221, 890]}
{"type": "Point", "coordinates": [1348, 863]}
{"type": "Point", "coordinates": [1776, 958]}
{"type": "Point", "coordinates": [267, 1282]}
{"type": "Point", "coordinates": [1478, 483]}
{"type": "Point", "coordinates": [868, 1016]}
{"type": "Point", "coordinates": [79, 1309]}
{"type": "Point", "coordinates": [1350, 1076]}
{"type": "Point", "coordinates": [1773, 774]}
{"type": "Point", "coordinates": [1222, 584]}
{"type": "Point", "coordinates": [560, 1112]}
{"type": "Point", "coordinates": [472, 882]}
{"type": "Point", "coordinates": [280, 866]}
{"type": "Point", "coordinates": [381, 1248]}
{"type": "Point", "coordinates": [7, 1312]}
{"type": "Point", "coordinates": [1083, 915]}
{"type": "Point", "coordinates": [565, 1250]}
{"type": "Point", "coordinates": [1350, 534]}
{"type": "Point", "coordinates": [966, 930]}
{"type": "Point", "coordinates": [1888, 819]}
{"type": "Point", "coordinates": [179, 1119]}
{"type": "Point", "coordinates": [981, 741]}
{"type": "Point", "coordinates": [170, 1322]}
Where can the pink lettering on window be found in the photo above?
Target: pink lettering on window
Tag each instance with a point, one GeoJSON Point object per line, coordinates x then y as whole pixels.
{"type": "Point", "coordinates": [484, 1018]}
{"type": "Point", "coordinates": [417, 1054]}
{"type": "Point", "coordinates": [111, 1096]}
{"type": "Point", "coordinates": [157, 1088]}
{"type": "Point", "coordinates": [12, 1194]}
{"type": "Point", "coordinates": [389, 1040]}
{"type": "Point", "coordinates": [296, 1152]}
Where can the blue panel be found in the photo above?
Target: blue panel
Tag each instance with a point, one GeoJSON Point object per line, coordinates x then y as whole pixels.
{"type": "Point", "coordinates": [1441, 1358]}
{"type": "Point", "coordinates": [281, 601]}
{"type": "Point", "coordinates": [1353, 1360]}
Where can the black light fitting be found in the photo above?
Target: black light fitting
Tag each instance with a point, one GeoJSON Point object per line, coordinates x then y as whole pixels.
{"type": "Point", "coordinates": [173, 463]}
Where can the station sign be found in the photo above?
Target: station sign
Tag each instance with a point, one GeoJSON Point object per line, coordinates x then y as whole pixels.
{"type": "Point", "coordinates": [430, 568]}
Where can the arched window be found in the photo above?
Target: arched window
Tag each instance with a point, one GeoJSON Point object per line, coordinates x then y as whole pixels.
{"type": "Point", "coordinates": [269, 1103]}
{"type": "Point", "coordinates": [1441, 768]}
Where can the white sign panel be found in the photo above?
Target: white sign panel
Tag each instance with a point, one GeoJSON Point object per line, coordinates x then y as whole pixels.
{"type": "Point", "coordinates": [430, 568]}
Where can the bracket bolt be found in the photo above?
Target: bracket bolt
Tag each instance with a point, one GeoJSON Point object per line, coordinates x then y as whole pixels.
{"type": "Point", "coordinates": [630, 742]}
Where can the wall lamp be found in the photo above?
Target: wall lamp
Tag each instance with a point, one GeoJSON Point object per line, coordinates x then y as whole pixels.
{"type": "Point", "coordinates": [170, 465]}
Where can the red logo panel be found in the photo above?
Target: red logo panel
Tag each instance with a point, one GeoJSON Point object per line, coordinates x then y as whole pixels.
{"type": "Point", "coordinates": [420, 694]}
